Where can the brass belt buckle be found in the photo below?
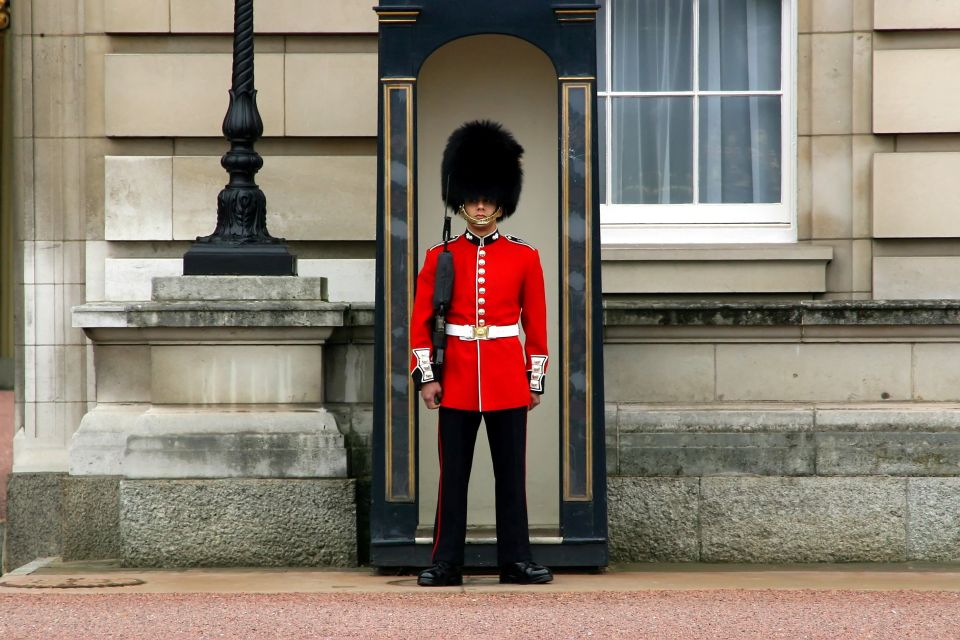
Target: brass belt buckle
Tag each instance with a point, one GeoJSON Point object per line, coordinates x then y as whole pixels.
{"type": "Point", "coordinates": [480, 333]}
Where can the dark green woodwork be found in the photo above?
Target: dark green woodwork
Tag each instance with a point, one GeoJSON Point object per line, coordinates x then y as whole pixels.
{"type": "Point", "coordinates": [566, 33]}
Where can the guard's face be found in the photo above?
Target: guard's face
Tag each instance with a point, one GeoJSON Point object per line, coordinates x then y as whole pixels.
{"type": "Point", "coordinates": [482, 210]}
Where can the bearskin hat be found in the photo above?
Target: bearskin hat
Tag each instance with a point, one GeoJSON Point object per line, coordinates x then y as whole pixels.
{"type": "Point", "coordinates": [482, 159]}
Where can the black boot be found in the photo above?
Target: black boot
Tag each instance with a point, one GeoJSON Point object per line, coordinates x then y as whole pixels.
{"type": "Point", "coordinates": [527, 572]}
{"type": "Point", "coordinates": [442, 574]}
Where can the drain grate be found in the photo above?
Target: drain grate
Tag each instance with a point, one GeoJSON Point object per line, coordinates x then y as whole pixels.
{"type": "Point", "coordinates": [60, 582]}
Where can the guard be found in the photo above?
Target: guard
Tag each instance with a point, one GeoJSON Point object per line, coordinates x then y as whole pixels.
{"type": "Point", "coordinates": [487, 372]}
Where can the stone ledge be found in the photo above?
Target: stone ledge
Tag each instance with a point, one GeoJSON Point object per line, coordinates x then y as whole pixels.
{"type": "Point", "coordinates": [769, 439]}
{"type": "Point", "coordinates": [233, 288]}
{"type": "Point", "coordinates": [855, 313]}
{"type": "Point", "coordinates": [361, 314]}
{"type": "Point", "coordinates": [215, 314]}
{"type": "Point", "coordinates": [773, 417]}
{"type": "Point", "coordinates": [810, 313]}
{"type": "Point", "coordinates": [723, 269]}
{"type": "Point", "coordinates": [203, 443]}
{"type": "Point", "coordinates": [717, 253]}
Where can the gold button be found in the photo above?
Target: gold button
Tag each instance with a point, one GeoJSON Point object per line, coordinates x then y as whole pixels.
{"type": "Point", "coordinates": [481, 301]}
{"type": "Point", "coordinates": [482, 271]}
{"type": "Point", "coordinates": [481, 280]}
{"type": "Point", "coordinates": [482, 322]}
{"type": "Point", "coordinates": [481, 312]}
{"type": "Point", "coordinates": [483, 290]}
{"type": "Point", "coordinates": [482, 252]}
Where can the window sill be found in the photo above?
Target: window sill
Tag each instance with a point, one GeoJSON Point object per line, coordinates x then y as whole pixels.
{"type": "Point", "coordinates": [615, 234]}
{"type": "Point", "coordinates": [715, 269]}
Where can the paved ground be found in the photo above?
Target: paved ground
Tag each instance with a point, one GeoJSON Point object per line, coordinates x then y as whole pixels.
{"type": "Point", "coordinates": [655, 601]}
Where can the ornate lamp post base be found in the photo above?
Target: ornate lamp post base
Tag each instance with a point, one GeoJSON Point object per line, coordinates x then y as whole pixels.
{"type": "Point", "coordinates": [247, 260]}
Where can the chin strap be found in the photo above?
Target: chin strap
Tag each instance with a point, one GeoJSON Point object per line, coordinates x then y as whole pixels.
{"type": "Point", "coordinates": [478, 222]}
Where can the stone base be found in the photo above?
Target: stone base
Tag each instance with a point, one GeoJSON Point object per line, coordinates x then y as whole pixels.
{"type": "Point", "coordinates": [780, 483]}
{"type": "Point", "coordinates": [240, 260]}
{"type": "Point", "coordinates": [784, 520]}
{"type": "Point", "coordinates": [34, 516]}
{"type": "Point", "coordinates": [91, 518]}
{"type": "Point", "coordinates": [212, 443]}
{"type": "Point", "coordinates": [238, 522]}
{"type": "Point", "coordinates": [137, 441]}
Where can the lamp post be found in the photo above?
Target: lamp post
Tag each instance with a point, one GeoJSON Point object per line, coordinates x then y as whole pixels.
{"type": "Point", "coordinates": [4, 15]}
{"type": "Point", "coordinates": [241, 244]}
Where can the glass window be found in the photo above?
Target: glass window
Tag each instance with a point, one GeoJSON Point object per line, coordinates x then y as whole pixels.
{"type": "Point", "coordinates": [693, 108]}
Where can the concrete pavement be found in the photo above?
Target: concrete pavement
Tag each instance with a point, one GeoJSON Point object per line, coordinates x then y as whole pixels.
{"type": "Point", "coordinates": [619, 578]}
{"type": "Point", "coordinates": [649, 602]}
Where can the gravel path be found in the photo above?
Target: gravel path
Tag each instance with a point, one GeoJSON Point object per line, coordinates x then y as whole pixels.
{"type": "Point", "coordinates": [739, 614]}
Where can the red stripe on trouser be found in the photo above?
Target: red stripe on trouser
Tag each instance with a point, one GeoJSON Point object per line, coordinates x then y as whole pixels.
{"type": "Point", "coordinates": [526, 433]}
{"type": "Point", "coordinates": [436, 529]}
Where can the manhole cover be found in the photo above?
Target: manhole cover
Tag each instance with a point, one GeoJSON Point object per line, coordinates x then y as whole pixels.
{"type": "Point", "coordinates": [59, 582]}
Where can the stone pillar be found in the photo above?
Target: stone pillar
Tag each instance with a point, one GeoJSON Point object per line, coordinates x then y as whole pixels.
{"type": "Point", "coordinates": [50, 140]}
{"type": "Point", "coordinates": [210, 415]}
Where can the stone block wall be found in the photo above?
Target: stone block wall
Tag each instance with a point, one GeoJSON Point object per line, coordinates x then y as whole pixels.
{"type": "Point", "coordinates": [115, 115]}
{"type": "Point", "coordinates": [115, 119]}
{"type": "Point", "coordinates": [915, 248]}
{"type": "Point", "coordinates": [811, 432]}
{"type": "Point", "coordinates": [858, 489]}
{"type": "Point", "coordinates": [349, 396]}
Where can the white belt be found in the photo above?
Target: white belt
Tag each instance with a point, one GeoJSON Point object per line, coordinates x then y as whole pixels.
{"type": "Point", "coordinates": [486, 332]}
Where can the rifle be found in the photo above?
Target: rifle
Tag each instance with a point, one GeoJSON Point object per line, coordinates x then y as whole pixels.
{"type": "Point", "coordinates": [442, 293]}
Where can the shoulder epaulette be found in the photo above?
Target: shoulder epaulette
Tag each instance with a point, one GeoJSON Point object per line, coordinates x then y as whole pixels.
{"type": "Point", "coordinates": [518, 240]}
{"type": "Point", "coordinates": [440, 244]}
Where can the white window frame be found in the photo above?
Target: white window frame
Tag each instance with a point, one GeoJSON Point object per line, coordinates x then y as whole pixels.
{"type": "Point", "coordinates": [703, 223]}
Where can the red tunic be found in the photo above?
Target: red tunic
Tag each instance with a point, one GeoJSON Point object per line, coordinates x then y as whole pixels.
{"type": "Point", "coordinates": [498, 281]}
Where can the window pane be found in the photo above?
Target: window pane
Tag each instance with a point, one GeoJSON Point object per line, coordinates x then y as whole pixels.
{"type": "Point", "coordinates": [739, 45]}
{"type": "Point", "coordinates": [652, 45]}
{"type": "Point", "coordinates": [740, 149]}
{"type": "Point", "coordinates": [602, 143]}
{"type": "Point", "coordinates": [652, 150]}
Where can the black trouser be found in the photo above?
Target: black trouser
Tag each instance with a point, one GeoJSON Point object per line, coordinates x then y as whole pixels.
{"type": "Point", "coordinates": [507, 435]}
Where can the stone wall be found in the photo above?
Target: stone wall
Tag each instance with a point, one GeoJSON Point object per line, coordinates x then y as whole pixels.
{"type": "Point", "coordinates": [808, 432]}
{"type": "Point", "coordinates": [114, 118]}
{"type": "Point", "coordinates": [794, 485]}
{"type": "Point", "coordinates": [116, 108]}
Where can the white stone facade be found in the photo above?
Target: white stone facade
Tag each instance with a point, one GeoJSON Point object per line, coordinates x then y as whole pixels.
{"type": "Point", "coordinates": [115, 145]}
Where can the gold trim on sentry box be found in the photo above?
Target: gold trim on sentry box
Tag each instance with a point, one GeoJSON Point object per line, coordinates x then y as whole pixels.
{"type": "Point", "coordinates": [588, 274]}
{"type": "Point", "coordinates": [411, 266]}
{"type": "Point", "coordinates": [397, 16]}
{"type": "Point", "coordinates": [576, 15]}
{"type": "Point", "coordinates": [406, 87]}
